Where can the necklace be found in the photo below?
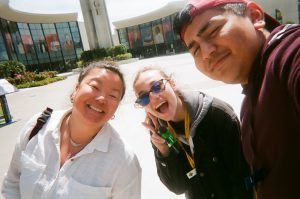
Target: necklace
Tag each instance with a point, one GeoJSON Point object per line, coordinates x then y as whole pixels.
{"type": "Point", "coordinates": [72, 142]}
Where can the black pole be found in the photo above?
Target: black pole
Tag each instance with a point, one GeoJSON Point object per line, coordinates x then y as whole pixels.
{"type": "Point", "coordinates": [5, 109]}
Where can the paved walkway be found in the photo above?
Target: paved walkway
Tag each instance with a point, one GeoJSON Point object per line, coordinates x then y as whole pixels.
{"type": "Point", "coordinates": [25, 103]}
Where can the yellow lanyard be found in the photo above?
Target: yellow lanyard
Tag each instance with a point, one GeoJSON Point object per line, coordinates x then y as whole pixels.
{"type": "Point", "coordinates": [187, 137]}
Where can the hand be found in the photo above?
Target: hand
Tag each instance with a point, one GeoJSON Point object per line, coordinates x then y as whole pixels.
{"type": "Point", "coordinates": [151, 123]}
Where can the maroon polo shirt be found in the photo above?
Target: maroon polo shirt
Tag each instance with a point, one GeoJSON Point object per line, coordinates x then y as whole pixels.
{"type": "Point", "coordinates": [270, 115]}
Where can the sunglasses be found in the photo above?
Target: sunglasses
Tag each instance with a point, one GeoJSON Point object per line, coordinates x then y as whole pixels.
{"type": "Point", "coordinates": [157, 87]}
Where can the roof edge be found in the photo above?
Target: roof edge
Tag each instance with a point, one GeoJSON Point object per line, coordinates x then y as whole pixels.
{"type": "Point", "coordinates": [166, 10]}
{"type": "Point", "coordinates": [11, 14]}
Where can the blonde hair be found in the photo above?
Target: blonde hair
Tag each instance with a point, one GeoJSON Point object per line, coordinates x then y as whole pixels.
{"type": "Point", "coordinates": [161, 72]}
{"type": "Point", "coordinates": [150, 68]}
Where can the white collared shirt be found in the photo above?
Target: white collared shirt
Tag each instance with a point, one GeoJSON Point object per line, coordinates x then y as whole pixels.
{"type": "Point", "coordinates": [106, 168]}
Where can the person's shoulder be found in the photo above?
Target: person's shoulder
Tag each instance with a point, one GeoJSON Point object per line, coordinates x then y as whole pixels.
{"type": "Point", "coordinates": [27, 128]}
{"type": "Point", "coordinates": [283, 35]}
{"type": "Point", "coordinates": [223, 107]}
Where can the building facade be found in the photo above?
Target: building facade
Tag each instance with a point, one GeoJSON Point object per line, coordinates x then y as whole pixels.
{"type": "Point", "coordinates": [152, 34]}
{"type": "Point", "coordinates": [39, 41]}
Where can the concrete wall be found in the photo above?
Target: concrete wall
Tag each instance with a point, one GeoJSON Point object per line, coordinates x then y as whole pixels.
{"type": "Point", "coordinates": [84, 37]}
{"type": "Point", "coordinates": [288, 8]}
{"type": "Point", "coordinates": [96, 23]}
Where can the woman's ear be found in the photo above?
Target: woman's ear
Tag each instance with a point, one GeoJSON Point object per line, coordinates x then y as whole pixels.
{"type": "Point", "coordinates": [74, 92]}
{"type": "Point", "coordinates": [256, 14]}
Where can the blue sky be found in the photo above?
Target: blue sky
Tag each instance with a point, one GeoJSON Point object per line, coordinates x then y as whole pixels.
{"type": "Point", "coordinates": [117, 9]}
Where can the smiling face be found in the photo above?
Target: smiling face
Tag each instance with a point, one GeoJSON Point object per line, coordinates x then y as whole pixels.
{"type": "Point", "coordinates": [224, 45]}
{"type": "Point", "coordinates": [97, 96]}
{"type": "Point", "coordinates": [165, 104]}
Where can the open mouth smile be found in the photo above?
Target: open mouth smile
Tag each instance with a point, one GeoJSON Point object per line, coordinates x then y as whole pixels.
{"type": "Point", "coordinates": [95, 109]}
{"type": "Point", "coordinates": [161, 106]}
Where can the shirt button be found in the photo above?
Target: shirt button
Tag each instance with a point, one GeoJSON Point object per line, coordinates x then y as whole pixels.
{"type": "Point", "coordinates": [201, 174]}
{"type": "Point", "coordinates": [215, 159]}
{"type": "Point", "coordinates": [212, 195]}
{"type": "Point", "coordinates": [163, 164]}
{"type": "Point", "coordinates": [72, 160]}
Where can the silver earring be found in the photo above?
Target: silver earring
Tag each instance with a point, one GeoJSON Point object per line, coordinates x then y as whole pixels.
{"type": "Point", "coordinates": [72, 99]}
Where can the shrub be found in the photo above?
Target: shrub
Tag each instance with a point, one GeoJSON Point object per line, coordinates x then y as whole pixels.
{"type": "Point", "coordinates": [40, 83]}
{"type": "Point", "coordinates": [29, 77]}
{"type": "Point", "coordinates": [100, 53]}
{"type": "Point", "coordinates": [86, 56]}
{"type": "Point", "coordinates": [91, 55]}
{"type": "Point", "coordinates": [124, 56]}
{"type": "Point", "coordinates": [11, 68]}
{"type": "Point", "coordinates": [110, 52]}
{"type": "Point", "coordinates": [118, 52]}
{"type": "Point", "coordinates": [109, 58]}
{"type": "Point", "coordinates": [120, 49]}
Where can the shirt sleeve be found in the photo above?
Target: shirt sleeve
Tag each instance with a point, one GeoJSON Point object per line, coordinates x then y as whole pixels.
{"type": "Point", "coordinates": [294, 81]}
{"type": "Point", "coordinates": [10, 186]}
{"type": "Point", "coordinates": [172, 170]}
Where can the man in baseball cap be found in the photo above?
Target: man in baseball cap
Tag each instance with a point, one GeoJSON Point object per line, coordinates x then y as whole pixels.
{"type": "Point", "coordinates": [236, 42]}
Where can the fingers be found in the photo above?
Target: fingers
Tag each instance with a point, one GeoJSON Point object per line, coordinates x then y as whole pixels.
{"type": "Point", "coordinates": [160, 143]}
{"type": "Point", "coordinates": [155, 138]}
{"type": "Point", "coordinates": [149, 127]}
{"type": "Point", "coordinates": [153, 120]}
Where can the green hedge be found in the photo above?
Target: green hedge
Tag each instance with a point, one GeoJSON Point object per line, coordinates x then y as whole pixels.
{"type": "Point", "coordinates": [41, 83]}
{"type": "Point", "coordinates": [113, 53]}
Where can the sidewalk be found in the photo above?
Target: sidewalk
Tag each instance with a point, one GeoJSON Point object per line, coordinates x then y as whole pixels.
{"type": "Point", "coordinates": [28, 102]}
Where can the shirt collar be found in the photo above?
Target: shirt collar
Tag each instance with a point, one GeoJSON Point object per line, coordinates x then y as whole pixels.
{"type": "Point", "coordinates": [101, 141]}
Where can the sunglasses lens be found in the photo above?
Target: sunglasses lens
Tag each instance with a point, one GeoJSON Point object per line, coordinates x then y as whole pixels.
{"type": "Point", "coordinates": [143, 100]}
{"type": "Point", "coordinates": [156, 87]}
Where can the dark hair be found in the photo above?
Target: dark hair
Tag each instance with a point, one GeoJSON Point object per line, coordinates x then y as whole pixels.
{"type": "Point", "coordinates": [108, 65]}
{"type": "Point", "coordinates": [184, 17]}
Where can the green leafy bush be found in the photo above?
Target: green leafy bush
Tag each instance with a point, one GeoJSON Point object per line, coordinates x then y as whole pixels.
{"type": "Point", "coordinates": [120, 49]}
{"type": "Point", "coordinates": [11, 68]}
{"type": "Point", "coordinates": [104, 54]}
{"type": "Point", "coordinates": [28, 77]}
{"type": "Point", "coordinates": [124, 56]}
{"type": "Point", "coordinates": [109, 58]}
{"type": "Point", "coordinates": [86, 56]}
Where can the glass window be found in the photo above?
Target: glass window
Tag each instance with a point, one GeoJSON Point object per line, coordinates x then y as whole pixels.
{"type": "Point", "coordinates": [52, 41]}
{"type": "Point", "coordinates": [146, 33]}
{"type": "Point", "coordinates": [17, 42]}
{"type": "Point", "coordinates": [3, 53]}
{"type": "Point", "coordinates": [27, 43]}
{"type": "Point", "coordinates": [134, 37]}
{"type": "Point", "coordinates": [76, 38]}
{"type": "Point", "coordinates": [123, 37]}
{"type": "Point", "coordinates": [167, 29]}
{"type": "Point", "coordinates": [66, 41]}
{"type": "Point", "coordinates": [157, 31]}
{"type": "Point", "coordinates": [40, 43]}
